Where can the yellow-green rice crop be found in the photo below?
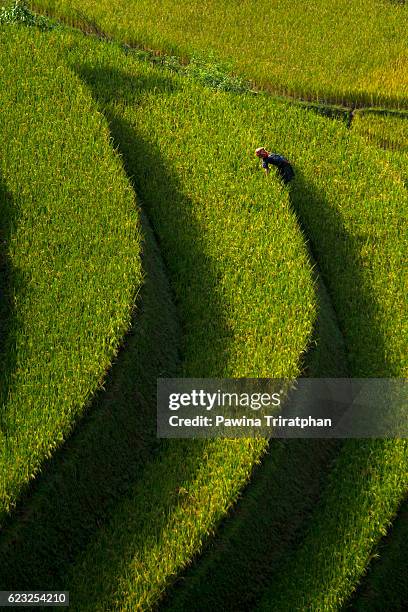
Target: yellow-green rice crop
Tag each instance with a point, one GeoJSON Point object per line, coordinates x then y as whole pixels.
{"type": "Point", "coordinates": [385, 586]}
{"type": "Point", "coordinates": [389, 133]}
{"type": "Point", "coordinates": [246, 304]}
{"type": "Point", "coordinates": [241, 281]}
{"type": "Point", "coordinates": [361, 243]}
{"type": "Point", "coordinates": [107, 451]}
{"type": "Point", "coordinates": [70, 254]}
{"type": "Point", "coordinates": [368, 482]}
{"type": "Point", "coordinates": [354, 52]}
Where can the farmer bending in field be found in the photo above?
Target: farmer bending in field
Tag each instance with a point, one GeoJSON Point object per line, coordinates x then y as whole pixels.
{"type": "Point", "coordinates": [284, 168]}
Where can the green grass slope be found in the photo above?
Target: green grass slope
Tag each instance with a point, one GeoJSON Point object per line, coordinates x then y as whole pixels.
{"type": "Point", "coordinates": [339, 51]}
{"type": "Point", "coordinates": [70, 254]}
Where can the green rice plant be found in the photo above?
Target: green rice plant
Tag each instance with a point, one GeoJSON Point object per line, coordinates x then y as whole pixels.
{"type": "Point", "coordinates": [389, 133]}
{"type": "Point", "coordinates": [197, 200]}
{"type": "Point", "coordinates": [252, 544]}
{"type": "Point", "coordinates": [107, 451]}
{"type": "Point", "coordinates": [317, 50]}
{"type": "Point", "coordinates": [236, 565]}
{"type": "Point", "coordinates": [54, 515]}
{"type": "Point", "coordinates": [187, 149]}
{"type": "Point", "coordinates": [242, 281]}
{"type": "Point", "coordinates": [70, 255]}
{"type": "Point", "coordinates": [247, 306]}
{"type": "Point", "coordinates": [385, 585]}
{"type": "Point", "coordinates": [385, 130]}
{"type": "Point", "coordinates": [366, 486]}
{"type": "Point", "coordinates": [360, 245]}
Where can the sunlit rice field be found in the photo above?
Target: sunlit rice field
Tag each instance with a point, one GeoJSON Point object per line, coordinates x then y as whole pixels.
{"type": "Point", "coordinates": [70, 254]}
{"type": "Point", "coordinates": [145, 109]}
{"type": "Point", "coordinates": [351, 53]}
{"type": "Point", "coordinates": [389, 133]}
{"type": "Point", "coordinates": [223, 275]}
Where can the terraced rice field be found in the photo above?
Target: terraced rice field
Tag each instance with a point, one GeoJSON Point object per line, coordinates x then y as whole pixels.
{"type": "Point", "coordinates": [133, 191]}
{"type": "Point", "coordinates": [389, 133]}
{"type": "Point", "coordinates": [70, 255]}
{"type": "Point", "coordinates": [350, 53]}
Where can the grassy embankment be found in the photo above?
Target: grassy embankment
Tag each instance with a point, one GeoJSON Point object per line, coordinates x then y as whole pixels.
{"type": "Point", "coordinates": [70, 255]}
{"type": "Point", "coordinates": [343, 195]}
{"type": "Point", "coordinates": [350, 53]}
{"type": "Point", "coordinates": [247, 307]}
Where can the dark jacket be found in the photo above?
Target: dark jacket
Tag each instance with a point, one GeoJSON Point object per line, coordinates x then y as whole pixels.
{"type": "Point", "coordinates": [284, 168]}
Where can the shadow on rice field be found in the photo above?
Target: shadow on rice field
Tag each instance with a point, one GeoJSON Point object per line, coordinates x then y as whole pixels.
{"type": "Point", "coordinates": [266, 524]}
{"type": "Point", "coordinates": [335, 248]}
{"type": "Point", "coordinates": [212, 333]}
{"type": "Point", "coordinates": [12, 286]}
{"type": "Point", "coordinates": [385, 585]}
{"type": "Point", "coordinates": [337, 253]}
{"type": "Point", "coordinates": [109, 450]}
{"type": "Point", "coordinates": [106, 453]}
{"type": "Point", "coordinates": [271, 496]}
{"type": "Point", "coordinates": [115, 446]}
{"type": "Point", "coordinates": [272, 518]}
